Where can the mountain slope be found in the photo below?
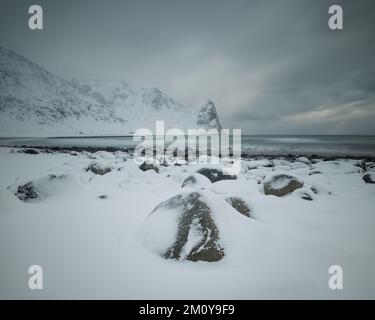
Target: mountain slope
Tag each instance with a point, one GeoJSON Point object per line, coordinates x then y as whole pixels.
{"type": "Point", "coordinates": [36, 102]}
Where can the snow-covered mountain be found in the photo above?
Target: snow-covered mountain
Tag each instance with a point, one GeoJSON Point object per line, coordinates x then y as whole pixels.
{"type": "Point", "coordinates": [36, 102]}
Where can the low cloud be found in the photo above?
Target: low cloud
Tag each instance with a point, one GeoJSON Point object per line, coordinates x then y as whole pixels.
{"type": "Point", "coordinates": [270, 66]}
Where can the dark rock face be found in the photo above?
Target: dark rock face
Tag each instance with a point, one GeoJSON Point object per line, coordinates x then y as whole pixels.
{"type": "Point", "coordinates": [196, 217]}
{"type": "Point", "coordinates": [215, 174]}
{"type": "Point", "coordinates": [148, 166]}
{"type": "Point", "coordinates": [95, 168]}
{"type": "Point", "coordinates": [281, 185]}
{"type": "Point", "coordinates": [369, 178]}
{"type": "Point", "coordinates": [239, 205]}
{"type": "Point", "coordinates": [207, 117]}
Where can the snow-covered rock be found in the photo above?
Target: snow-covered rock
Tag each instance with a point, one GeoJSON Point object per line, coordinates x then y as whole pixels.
{"type": "Point", "coordinates": [369, 177]}
{"type": "Point", "coordinates": [39, 188]}
{"type": "Point", "coordinates": [305, 194]}
{"type": "Point", "coordinates": [150, 164]}
{"type": "Point", "coordinates": [239, 204]}
{"type": "Point", "coordinates": [304, 160]}
{"type": "Point", "coordinates": [98, 168]}
{"type": "Point", "coordinates": [336, 167]}
{"type": "Point", "coordinates": [281, 184]}
{"type": "Point", "coordinates": [216, 174]}
{"type": "Point", "coordinates": [196, 180]}
{"type": "Point", "coordinates": [183, 228]}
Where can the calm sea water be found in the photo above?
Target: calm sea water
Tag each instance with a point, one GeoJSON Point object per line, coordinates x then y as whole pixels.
{"type": "Point", "coordinates": [251, 144]}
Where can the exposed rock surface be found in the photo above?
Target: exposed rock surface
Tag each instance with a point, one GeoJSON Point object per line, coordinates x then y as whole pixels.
{"type": "Point", "coordinates": [98, 169]}
{"type": "Point", "coordinates": [196, 180]}
{"type": "Point", "coordinates": [281, 184]}
{"type": "Point", "coordinates": [197, 237]}
{"type": "Point", "coordinates": [239, 204]}
{"type": "Point", "coordinates": [369, 177]}
{"type": "Point", "coordinates": [36, 189]}
{"type": "Point", "coordinates": [216, 174]}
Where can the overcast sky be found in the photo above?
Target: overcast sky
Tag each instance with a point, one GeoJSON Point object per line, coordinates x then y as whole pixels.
{"type": "Point", "coordinates": [270, 66]}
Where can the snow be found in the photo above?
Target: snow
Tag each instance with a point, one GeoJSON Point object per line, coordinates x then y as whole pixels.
{"type": "Point", "coordinates": [98, 248]}
{"type": "Point", "coordinates": [37, 103]}
{"type": "Point", "coordinates": [195, 236]}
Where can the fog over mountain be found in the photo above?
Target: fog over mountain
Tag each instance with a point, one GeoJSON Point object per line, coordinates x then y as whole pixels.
{"type": "Point", "coordinates": [36, 102]}
{"type": "Point", "coordinates": [269, 66]}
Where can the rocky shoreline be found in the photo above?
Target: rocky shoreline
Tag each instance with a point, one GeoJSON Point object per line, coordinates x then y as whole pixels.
{"type": "Point", "coordinates": [29, 149]}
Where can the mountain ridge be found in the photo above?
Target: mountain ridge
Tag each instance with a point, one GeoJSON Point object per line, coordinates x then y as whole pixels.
{"type": "Point", "coordinates": [36, 102]}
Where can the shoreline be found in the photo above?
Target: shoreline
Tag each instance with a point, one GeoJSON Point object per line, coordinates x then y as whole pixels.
{"type": "Point", "coordinates": [244, 154]}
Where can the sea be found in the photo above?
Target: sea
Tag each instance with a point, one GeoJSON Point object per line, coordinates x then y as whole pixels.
{"type": "Point", "coordinates": [324, 145]}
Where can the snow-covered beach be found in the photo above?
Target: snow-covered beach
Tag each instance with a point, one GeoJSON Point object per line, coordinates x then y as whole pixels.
{"type": "Point", "coordinates": [101, 227]}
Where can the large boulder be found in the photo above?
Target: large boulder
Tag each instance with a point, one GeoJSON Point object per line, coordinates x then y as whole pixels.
{"type": "Point", "coordinates": [216, 174]}
{"type": "Point", "coordinates": [369, 177]}
{"type": "Point", "coordinates": [183, 228]}
{"type": "Point", "coordinates": [281, 184]}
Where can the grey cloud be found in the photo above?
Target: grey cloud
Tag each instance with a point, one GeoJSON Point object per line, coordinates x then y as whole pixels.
{"type": "Point", "coordinates": [264, 63]}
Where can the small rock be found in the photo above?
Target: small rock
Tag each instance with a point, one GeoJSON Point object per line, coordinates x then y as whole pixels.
{"type": "Point", "coordinates": [36, 189]}
{"type": "Point", "coordinates": [312, 172]}
{"type": "Point", "coordinates": [369, 177]}
{"type": "Point", "coordinates": [216, 174]}
{"type": "Point", "coordinates": [149, 166]}
{"type": "Point", "coordinates": [305, 194]}
{"type": "Point", "coordinates": [98, 169]}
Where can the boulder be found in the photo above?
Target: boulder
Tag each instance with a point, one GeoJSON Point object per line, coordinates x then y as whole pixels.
{"type": "Point", "coordinates": [216, 174]}
{"type": "Point", "coordinates": [184, 229]}
{"type": "Point", "coordinates": [146, 165]}
{"type": "Point", "coordinates": [303, 160]}
{"type": "Point", "coordinates": [281, 184]}
{"type": "Point", "coordinates": [36, 189]}
{"type": "Point", "coordinates": [369, 177]}
{"type": "Point", "coordinates": [239, 205]}
{"type": "Point", "coordinates": [98, 169]}
{"type": "Point", "coordinates": [196, 180]}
